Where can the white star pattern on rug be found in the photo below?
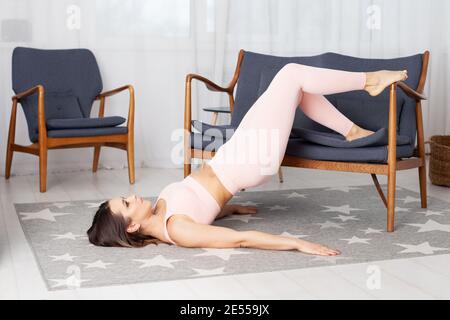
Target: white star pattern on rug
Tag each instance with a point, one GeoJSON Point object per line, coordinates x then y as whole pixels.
{"type": "Point", "coordinates": [294, 195]}
{"type": "Point", "coordinates": [330, 259]}
{"type": "Point", "coordinates": [431, 213]}
{"type": "Point", "coordinates": [430, 225]}
{"type": "Point", "coordinates": [69, 282]}
{"type": "Point", "coordinates": [330, 224]}
{"type": "Point", "coordinates": [68, 236]}
{"type": "Point", "coordinates": [44, 214]}
{"type": "Point", "coordinates": [370, 230]}
{"type": "Point", "coordinates": [61, 205]}
{"type": "Point", "coordinates": [344, 189]}
{"type": "Point", "coordinates": [342, 209]}
{"type": "Point", "coordinates": [93, 204]}
{"type": "Point", "coordinates": [345, 218]}
{"type": "Point", "coordinates": [158, 261]}
{"type": "Point", "coordinates": [64, 257]}
{"type": "Point", "coordinates": [338, 217]}
{"type": "Point", "coordinates": [278, 208]}
{"type": "Point", "coordinates": [242, 217]}
{"type": "Point", "coordinates": [99, 264]}
{"type": "Point", "coordinates": [208, 272]}
{"type": "Point", "coordinates": [287, 234]}
{"type": "Point", "coordinates": [423, 248]}
{"type": "Point", "coordinates": [223, 254]}
{"type": "Point", "coordinates": [355, 239]}
{"type": "Point", "coordinates": [409, 199]}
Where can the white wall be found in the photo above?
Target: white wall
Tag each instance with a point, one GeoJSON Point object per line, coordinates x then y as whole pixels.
{"type": "Point", "coordinates": [154, 44]}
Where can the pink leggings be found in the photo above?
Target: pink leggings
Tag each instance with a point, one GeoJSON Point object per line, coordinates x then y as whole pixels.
{"type": "Point", "coordinates": [256, 149]}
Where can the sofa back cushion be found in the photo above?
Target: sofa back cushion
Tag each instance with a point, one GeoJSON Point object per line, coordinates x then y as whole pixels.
{"type": "Point", "coordinates": [258, 70]}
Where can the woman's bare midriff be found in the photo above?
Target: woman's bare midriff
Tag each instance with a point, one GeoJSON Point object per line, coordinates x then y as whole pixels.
{"type": "Point", "coordinates": [207, 178]}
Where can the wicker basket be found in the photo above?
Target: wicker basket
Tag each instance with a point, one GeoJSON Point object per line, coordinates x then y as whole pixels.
{"type": "Point", "coordinates": [440, 160]}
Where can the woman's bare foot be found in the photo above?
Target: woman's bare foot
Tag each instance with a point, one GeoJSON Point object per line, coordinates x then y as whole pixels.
{"type": "Point", "coordinates": [315, 248]}
{"type": "Point", "coordinates": [357, 132]}
{"type": "Point", "coordinates": [377, 81]}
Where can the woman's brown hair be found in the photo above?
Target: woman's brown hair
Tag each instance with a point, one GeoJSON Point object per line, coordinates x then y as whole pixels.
{"type": "Point", "coordinates": [110, 230]}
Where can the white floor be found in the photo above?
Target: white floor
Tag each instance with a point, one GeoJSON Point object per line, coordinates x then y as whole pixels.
{"type": "Point", "coordinates": [416, 278]}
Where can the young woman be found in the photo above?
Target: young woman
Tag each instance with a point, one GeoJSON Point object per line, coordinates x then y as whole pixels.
{"type": "Point", "coordinates": [184, 210]}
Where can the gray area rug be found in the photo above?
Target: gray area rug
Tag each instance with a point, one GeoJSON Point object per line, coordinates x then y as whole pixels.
{"type": "Point", "coordinates": [351, 219]}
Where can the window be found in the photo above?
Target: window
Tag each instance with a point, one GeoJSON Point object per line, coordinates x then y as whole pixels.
{"type": "Point", "coordinates": [159, 18]}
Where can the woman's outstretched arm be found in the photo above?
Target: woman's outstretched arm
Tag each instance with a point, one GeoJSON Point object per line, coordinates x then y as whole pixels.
{"type": "Point", "coordinates": [186, 233]}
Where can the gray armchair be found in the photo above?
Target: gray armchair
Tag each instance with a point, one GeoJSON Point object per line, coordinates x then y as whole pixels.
{"type": "Point", "coordinates": [56, 89]}
{"type": "Point", "coordinates": [395, 116]}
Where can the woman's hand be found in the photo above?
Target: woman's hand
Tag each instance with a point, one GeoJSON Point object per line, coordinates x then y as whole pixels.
{"type": "Point", "coordinates": [230, 209]}
{"type": "Point", "coordinates": [238, 209]}
{"type": "Point", "coordinates": [315, 248]}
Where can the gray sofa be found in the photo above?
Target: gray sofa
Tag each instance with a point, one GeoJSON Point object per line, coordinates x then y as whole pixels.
{"type": "Point", "coordinates": [395, 116]}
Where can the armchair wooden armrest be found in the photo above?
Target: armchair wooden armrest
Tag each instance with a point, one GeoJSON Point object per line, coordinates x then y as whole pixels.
{"type": "Point", "coordinates": [411, 92]}
{"type": "Point", "coordinates": [210, 86]}
{"type": "Point", "coordinates": [208, 83]}
{"type": "Point", "coordinates": [103, 95]}
{"type": "Point", "coordinates": [39, 89]}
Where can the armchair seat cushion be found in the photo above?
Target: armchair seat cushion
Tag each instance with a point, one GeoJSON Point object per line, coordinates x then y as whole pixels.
{"type": "Point", "coordinates": [80, 123]}
{"type": "Point", "coordinates": [336, 140]}
{"type": "Point", "coordinates": [86, 132]}
{"type": "Point", "coordinates": [375, 154]}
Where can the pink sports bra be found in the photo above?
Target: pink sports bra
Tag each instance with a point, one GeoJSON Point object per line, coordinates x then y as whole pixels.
{"type": "Point", "coordinates": [188, 197]}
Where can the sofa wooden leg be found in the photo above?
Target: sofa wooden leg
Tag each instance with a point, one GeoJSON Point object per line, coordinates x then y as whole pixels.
{"type": "Point", "coordinates": [96, 158]}
{"type": "Point", "coordinates": [423, 186]}
{"type": "Point", "coordinates": [187, 168]}
{"type": "Point", "coordinates": [392, 157]}
{"type": "Point", "coordinates": [280, 175]}
{"type": "Point", "coordinates": [391, 201]}
{"type": "Point", "coordinates": [43, 169]}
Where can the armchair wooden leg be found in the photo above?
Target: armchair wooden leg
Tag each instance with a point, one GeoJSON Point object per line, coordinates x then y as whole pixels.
{"type": "Point", "coordinates": [423, 185]}
{"type": "Point", "coordinates": [96, 158]}
{"type": "Point", "coordinates": [11, 138]}
{"type": "Point", "coordinates": [43, 168]}
{"type": "Point", "coordinates": [9, 157]}
{"type": "Point", "coordinates": [130, 157]}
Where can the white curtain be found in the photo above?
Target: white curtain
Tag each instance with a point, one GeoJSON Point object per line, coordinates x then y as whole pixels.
{"type": "Point", "coordinates": [154, 44]}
